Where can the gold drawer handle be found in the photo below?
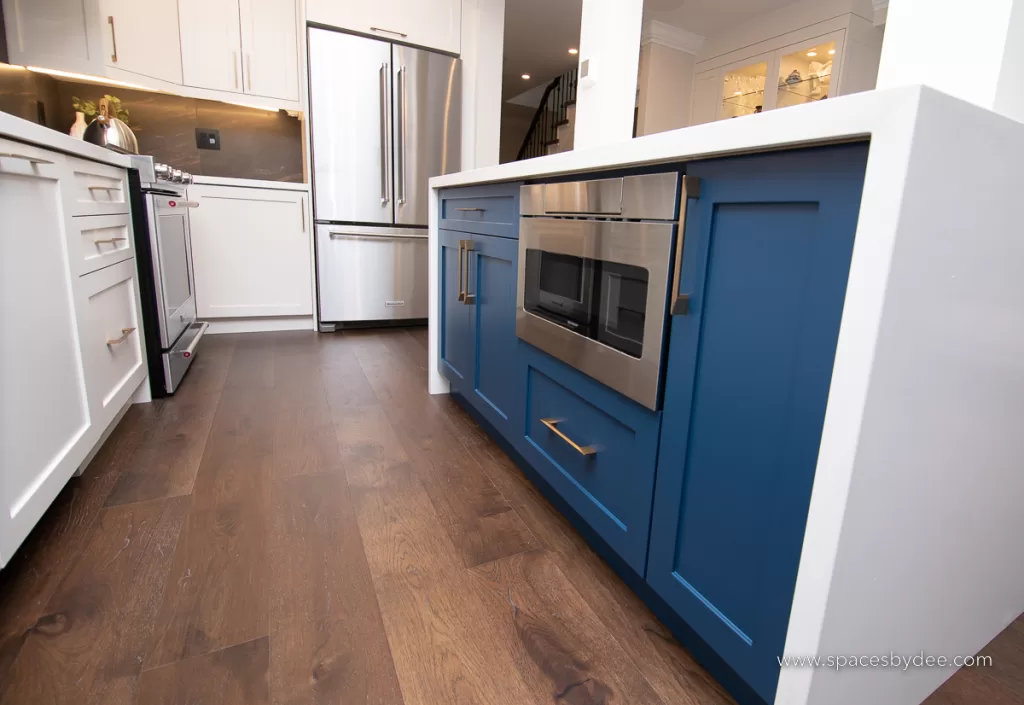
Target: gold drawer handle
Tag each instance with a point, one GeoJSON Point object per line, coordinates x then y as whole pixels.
{"type": "Point", "coordinates": [481, 210]}
{"type": "Point", "coordinates": [104, 188]}
{"type": "Point", "coordinates": [582, 450]}
{"type": "Point", "coordinates": [109, 240]}
{"type": "Point", "coordinates": [125, 332]}
{"type": "Point", "coordinates": [30, 160]}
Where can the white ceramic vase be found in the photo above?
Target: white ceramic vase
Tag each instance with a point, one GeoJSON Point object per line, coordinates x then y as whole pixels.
{"type": "Point", "coordinates": [78, 129]}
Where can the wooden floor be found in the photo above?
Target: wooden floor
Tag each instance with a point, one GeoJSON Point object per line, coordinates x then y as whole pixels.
{"type": "Point", "coordinates": [303, 523]}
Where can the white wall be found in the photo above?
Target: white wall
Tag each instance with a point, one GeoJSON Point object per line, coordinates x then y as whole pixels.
{"type": "Point", "coordinates": [483, 35]}
{"type": "Point", "coordinates": [610, 41]}
{"type": "Point", "coordinates": [971, 51]}
{"type": "Point", "coordinates": [665, 85]}
{"type": "Point", "coordinates": [914, 535]}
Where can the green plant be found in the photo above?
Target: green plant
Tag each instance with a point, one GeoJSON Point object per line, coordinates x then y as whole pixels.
{"type": "Point", "coordinates": [89, 109]}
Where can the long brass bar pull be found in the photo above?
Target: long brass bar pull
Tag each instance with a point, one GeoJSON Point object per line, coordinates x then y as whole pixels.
{"type": "Point", "coordinates": [462, 293]}
{"type": "Point", "coordinates": [468, 298]}
{"type": "Point", "coordinates": [681, 302]}
{"type": "Point", "coordinates": [552, 424]}
{"type": "Point", "coordinates": [125, 332]}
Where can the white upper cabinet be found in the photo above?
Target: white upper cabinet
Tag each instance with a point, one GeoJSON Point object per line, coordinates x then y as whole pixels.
{"type": "Point", "coordinates": [270, 47]}
{"type": "Point", "coordinates": [211, 44]}
{"type": "Point", "coordinates": [50, 33]}
{"type": "Point", "coordinates": [241, 46]}
{"type": "Point", "coordinates": [435, 24]}
{"type": "Point", "coordinates": [142, 37]}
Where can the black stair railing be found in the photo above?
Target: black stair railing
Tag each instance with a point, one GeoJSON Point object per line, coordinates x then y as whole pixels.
{"type": "Point", "coordinates": [551, 114]}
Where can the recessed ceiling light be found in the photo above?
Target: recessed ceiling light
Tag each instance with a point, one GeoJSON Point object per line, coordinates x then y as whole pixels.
{"type": "Point", "coordinates": [526, 77]}
{"type": "Point", "coordinates": [831, 52]}
{"type": "Point", "coordinates": [574, 51]}
{"type": "Point", "coordinates": [812, 53]}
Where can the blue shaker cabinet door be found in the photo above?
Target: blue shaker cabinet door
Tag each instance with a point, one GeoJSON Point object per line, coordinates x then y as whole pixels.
{"type": "Point", "coordinates": [766, 259]}
{"type": "Point", "coordinates": [493, 275]}
{"type": "Point", "coordinates": [456, 337]}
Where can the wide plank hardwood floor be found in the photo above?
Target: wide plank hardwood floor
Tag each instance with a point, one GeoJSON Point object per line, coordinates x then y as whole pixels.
{"type": "Point", "coordinates": [302, 523]}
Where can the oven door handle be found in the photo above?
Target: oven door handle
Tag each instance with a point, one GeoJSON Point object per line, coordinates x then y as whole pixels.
{"type": "Point", "coordinates": [681, 302]}
{"type": "Point", "coordinates": [466, 246]}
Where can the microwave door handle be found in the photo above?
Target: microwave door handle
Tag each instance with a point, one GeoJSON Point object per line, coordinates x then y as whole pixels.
{"type": "Point", "coordinates": [681, 302]}
{"type": "Point", "coordinates": [468, 298]}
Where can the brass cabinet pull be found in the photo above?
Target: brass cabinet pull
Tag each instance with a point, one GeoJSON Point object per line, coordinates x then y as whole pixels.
{"type": "Point", "coordinates": [113, 37]}
{"type": "Point", "coordinates": [234, 65]}
{"type": "Point", "coordinates": [125, 332]}
{"type": "Point", "coordinates": [104, 188]}
{"type": "Point", "coordinates": [302, 210]}
{"type": "Point", "coordinates": [389, 31]}
{"type": "Point", "coordinates": [109, 240]}
{"type": "Point", "coordinates": [248, 69]}
{"type": "Point", "coordinates": [468, 298]}
{"type": "Point", "coordinates": [471, 209]}
{"type": "Point", "coordinates": [23, 157]}
{"type": "Point", "coordinates": [552, 424]}
{"type": "Point", "coordinates": [681, 302]}
{"type": "Point", "coordinates": [462, 294]}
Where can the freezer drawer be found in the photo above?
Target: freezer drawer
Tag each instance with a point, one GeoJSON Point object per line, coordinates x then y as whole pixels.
{"type": "Point", "coordinates": [371, 274]}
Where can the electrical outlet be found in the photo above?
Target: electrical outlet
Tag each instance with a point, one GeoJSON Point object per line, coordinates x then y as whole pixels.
{"type": "Point", "coordinates": [207, 138]}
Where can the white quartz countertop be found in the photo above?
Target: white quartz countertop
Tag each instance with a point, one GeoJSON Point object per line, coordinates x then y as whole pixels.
{"type": "Point", "coordinates": [15, 128]}
{"type": "Point", "coordinates": [827, 121]}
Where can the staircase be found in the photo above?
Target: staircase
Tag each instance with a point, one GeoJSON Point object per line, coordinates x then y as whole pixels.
{"type": "Point", "coordinates": [552, 127]}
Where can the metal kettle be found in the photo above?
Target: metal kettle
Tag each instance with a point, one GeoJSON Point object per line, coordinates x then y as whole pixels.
{"type": "Point", "coordinates": [108, 131]}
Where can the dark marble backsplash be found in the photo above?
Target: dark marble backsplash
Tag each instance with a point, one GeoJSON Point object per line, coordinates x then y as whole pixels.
{"type": "Point", "coordinates": [255, 144]}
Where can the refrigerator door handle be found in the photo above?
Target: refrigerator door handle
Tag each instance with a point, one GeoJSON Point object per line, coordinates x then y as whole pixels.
{"type": "Point", "coordinates": [402, 120]}
{"type": "Point", "coordinates": [384, 186]}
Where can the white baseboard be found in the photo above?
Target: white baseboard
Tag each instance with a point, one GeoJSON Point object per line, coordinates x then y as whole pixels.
{"type": "Point", "coordinates": [260, 325]}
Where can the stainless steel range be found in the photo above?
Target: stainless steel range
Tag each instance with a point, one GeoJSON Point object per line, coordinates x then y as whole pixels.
{"type": "Point", "coordinates": [160, 211]}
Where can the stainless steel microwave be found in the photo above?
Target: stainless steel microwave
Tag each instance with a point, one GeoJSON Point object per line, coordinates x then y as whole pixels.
{"type": "Point", "coordinates": [595, 258]}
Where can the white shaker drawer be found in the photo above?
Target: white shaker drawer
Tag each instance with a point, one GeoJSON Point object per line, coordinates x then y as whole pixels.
{"type": "Point", "coordinates": [103, 240]}
{"type": "Point", "coordinates": [112, 338]}
{"type": "Point", "coordinates": [98, 189]}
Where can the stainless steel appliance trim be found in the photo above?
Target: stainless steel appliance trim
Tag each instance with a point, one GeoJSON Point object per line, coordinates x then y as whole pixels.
{"type": "Point", "coordinates": [681, 302]}
{"type": "Point", "coordinates": [647, 245]}
{"type": "Point", "coordinates": [640, 197]}
{"type": "Point", "coordinates": [384, 194]}
{"type": "Point", "coordinates": [186, 312]}
{"type": "Point", "coordinates": [175, 362]}
{"type": "Point", "coordinates": [400, 160]}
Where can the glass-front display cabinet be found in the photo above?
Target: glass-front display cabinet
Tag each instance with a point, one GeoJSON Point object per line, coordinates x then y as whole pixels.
{"type": "Point", "coordinates": [793, 75]}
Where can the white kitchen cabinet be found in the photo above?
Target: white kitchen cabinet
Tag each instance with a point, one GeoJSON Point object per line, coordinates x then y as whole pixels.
{"type": "Point", "coordinates": [44, 412]}
{"type": "Point", "coordinates": [142, 37]}
{"type": "Point", "coordinates": [241, 46]}
{"type": "Point", "coordinates": [51, 33]}
{"type": "Point", "coordinates": [270, 46]}
{"type": "Point", "coordinates": [211, 44]}
{"type": "Point", "coordinates": [250, 252]}
{"type": "Point", "coordinates": [435, 24]}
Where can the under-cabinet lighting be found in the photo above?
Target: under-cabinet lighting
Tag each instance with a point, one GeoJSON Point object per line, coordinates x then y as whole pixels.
{"type": "Point", "coordinates": [574, 51]}
{"type": "Point", "coordinates": [812, 53]}
{"type": "Point", "coordinates": [738, 93]}
{"type": "Point", "coordinates": [526, 77]}
{"type": "Point", "coordinates": [87, 77]}
{"type": "Point", "coordinates": [250, 105]}
{"type": "Point", "coordinates": [831, 52]}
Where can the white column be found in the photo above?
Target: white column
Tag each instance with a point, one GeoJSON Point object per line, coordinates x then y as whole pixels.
{"type": "Point", "coordinates": [609, 53]}
{"type": "Point", "coordinates": [974, 51]}
{"type": "Point", "coordinates": [483, 37]}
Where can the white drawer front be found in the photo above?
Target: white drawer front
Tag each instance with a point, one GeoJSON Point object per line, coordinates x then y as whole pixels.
{"type": "Point", "coordinates": [112, 333]}
{"type": "Point", "coordinates": [103, 240]}
{"type": "Point", "coordinates": [99, 189]}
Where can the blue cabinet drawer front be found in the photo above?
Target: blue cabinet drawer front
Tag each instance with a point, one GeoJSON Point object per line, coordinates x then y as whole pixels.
{"type": "Point", "coordinates": [488, 210]}
{"type": "Point", "coordinates": [611, 482]}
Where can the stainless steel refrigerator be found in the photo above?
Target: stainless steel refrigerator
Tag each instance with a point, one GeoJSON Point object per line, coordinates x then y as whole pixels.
{"type": "Point", "coordinates": [384, 118]}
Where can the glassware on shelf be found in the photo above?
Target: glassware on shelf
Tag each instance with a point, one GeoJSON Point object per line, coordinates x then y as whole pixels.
{"type": "Point", "coordinates": [806, 75]}
{"type": "Point", "coordinates": [743, 91]}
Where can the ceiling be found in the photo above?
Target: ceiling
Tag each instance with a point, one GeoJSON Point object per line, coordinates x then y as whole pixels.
{"type": "Point", "coordinates": [538, 36]}
{"type": "Point", "coordinates": [539, 33]}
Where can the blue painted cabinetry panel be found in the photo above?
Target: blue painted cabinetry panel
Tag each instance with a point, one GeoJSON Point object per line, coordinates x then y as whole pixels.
{"type": "Point", "coordinates": [608, 475]}
{"type": "Point", "coordinates": [492, 281]}
{"type": "Point", "coordinates": [485, 210]}
{"type": "Point", "coordinates": [456, 338]}
{"type": "Point", "coordinates": [766, 259]}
